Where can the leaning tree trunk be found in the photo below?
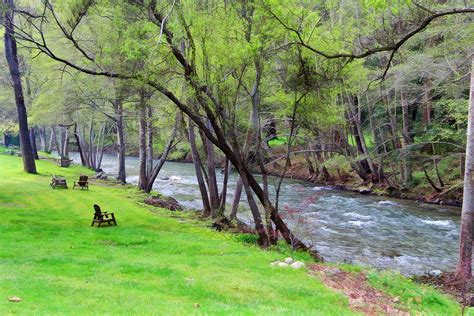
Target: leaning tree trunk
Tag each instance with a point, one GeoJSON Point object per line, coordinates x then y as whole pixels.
{"type": "Point", "coordinates": [77, 137]}
{"type": "Point", "coordinates": [464, 268]}
{"type": "Point", "coordinates": [12, 60]}
{"type": "Point", "coordinates": [206, 211]}
{"type": "Point", "coordinates": [169, 145]}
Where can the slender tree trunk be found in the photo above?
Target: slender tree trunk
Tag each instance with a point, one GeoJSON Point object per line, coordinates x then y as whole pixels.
{"type": "Point", "coordinates": [406, 139]}
{"type": "Point", "coordinates": [33, 143]}
{"type": "Point", "coordinates": [149, 139]}
{"type": "Point", "coordinates": [121, 174]}
{"type": "Point", "coordinates": [42, 137]}
{"type": "Point", "coordinates": [236, 199]}
{"type": "Point", "coordinates": [12, 60]}
{"type": "Point", "coordinates": [206, 211]}
{"type": "Point", "coordinates": [6, 139]}
{"type": "Point", "coordinates": [464, 267]}
{"type": "Point", "coordinates": [223, 194]}
{"type": "Point", "coordinates": [142, 176]}
{"type": "Point", "coordinates": [211, 172]}
{"type": "Point", "coordinates": [53, 141]}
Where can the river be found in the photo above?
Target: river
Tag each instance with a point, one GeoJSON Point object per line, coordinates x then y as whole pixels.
{"type": "Point", "coordinates": [343, 226]}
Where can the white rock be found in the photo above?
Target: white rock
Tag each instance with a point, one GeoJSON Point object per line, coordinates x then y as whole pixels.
{"type": "Point", "coordinates": [283, 264]}
{"type": "Point", "coordinates": [297, 265]}
{"type": "Point", "coordinates": [274, 264]}
{"type": "Point", "coordinates": [289, 260]}
{"type": "Point", "coordinates": [435, 273]}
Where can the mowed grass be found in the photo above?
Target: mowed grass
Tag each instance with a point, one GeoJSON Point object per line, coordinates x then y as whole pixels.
{"type": "Point", "coordinates": [155, 262]}
{"type": "Point", "coordinates": [150, 264]}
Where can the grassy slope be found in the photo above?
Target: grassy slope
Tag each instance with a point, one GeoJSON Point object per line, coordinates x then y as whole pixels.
{"type": "Point", "coordinates": [151, 263]}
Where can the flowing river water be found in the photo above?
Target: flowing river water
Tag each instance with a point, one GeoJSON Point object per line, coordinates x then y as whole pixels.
{"type": "Point", "coordinates": [343, 226]}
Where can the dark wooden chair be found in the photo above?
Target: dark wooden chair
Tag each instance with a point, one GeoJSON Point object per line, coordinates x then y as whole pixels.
{"type": "Point", "coordinates": [64, 161]}
{"type": "Point", "coordinates": [103, 217]}
{"type": "Point", "coordinates": [83, 183]}
{"type": "Point", "coordinates": [57, 181]}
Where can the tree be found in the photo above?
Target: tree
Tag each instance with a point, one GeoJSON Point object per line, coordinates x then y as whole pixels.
{"type": "Point", "coordinates": [466, 238]}
{"type": "Point", "coordinates": [11, 55]}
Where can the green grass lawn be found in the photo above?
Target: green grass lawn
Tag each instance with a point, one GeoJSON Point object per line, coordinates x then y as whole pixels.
{"type": "Point", "coordinates": [153, 262]}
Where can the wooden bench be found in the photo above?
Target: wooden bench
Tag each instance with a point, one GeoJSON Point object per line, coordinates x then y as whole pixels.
{"type": "Point", "coordinates": [83, 183]}
{"type": "Point", "coordinates": [103, 217]}
{"type": "Point", "coordinates": [58, 181]}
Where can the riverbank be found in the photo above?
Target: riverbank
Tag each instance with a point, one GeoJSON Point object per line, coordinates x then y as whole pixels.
{"type": "Point", "coordinates": [450, 196]}
{"type": "Point", "coordinates": [155, 260]}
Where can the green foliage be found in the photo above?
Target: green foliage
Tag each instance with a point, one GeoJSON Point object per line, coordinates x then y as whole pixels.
{"type": "Point", "coordinates": [251, 239]}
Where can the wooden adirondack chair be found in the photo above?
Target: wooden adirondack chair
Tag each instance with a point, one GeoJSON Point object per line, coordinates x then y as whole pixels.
{"type": "Point", "coordinates": [58, 181]}
{"type": "Point", "coordinates": [83, 183]}
{"type": "Point", "coordinates": [103, 217]}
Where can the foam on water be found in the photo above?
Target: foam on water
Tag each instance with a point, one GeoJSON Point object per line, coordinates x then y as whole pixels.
{"type": "Point", "coordinates": [360, 223]}
{"type": "Point", "coordinates": [391, 203]}
{"type": "Point", "coordinates": [441, 223]}
{"type": "Point", "coordinates": [357, 215]}
{"type": "Point", "coordinates": [321, 189]}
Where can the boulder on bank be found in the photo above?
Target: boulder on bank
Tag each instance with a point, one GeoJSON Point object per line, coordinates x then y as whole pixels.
{"type": "Point", "coordinates": [297, 265]}
{"type": "Point", "coordinates": [164, 202]}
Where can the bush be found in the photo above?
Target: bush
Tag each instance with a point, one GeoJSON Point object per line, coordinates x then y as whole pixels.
{"type": "Point", "coordinates": [251, 239]}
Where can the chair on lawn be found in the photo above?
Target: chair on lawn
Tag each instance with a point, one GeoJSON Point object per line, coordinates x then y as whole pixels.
{"type": "Point", "coordinates": [58, 181]}
{"type": "Point", "coordinates": [103, 217]}
{"type": "Point", "coordinates": [83, 183]}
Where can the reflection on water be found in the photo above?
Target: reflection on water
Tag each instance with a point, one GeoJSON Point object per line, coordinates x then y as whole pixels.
{"type": "Point", "coordinates": [343, 226]}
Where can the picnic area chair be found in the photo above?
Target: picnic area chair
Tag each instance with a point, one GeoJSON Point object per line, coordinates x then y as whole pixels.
{"type": "Point", "coordinates": [58, 181]}
{"type": "Point", "coordinates": [64, 161]}
{"type": "Point", "coordinates": [103, 217]}
{"type": "Point", "coordinates": [83, 183]}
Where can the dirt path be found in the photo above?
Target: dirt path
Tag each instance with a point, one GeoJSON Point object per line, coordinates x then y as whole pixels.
{"type": "Point", "coordinates": [362, 297]}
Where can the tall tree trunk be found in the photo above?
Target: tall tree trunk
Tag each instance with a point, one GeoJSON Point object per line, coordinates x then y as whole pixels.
{"type": "Point", "coordinates": [206, 211]}
{"type": "Point", "coordinates": [464, 267]}
{"type": "Point", "coordinates": [406, 139]}
{"type": "Point", "coordinates": [142, 176]}
{"type": "Point", "coordinates": [149, 139]}
{"type": "Point", "coordinates": [53, 141]}
{"type": "Point", "coordinates": [223, 194]}
{"type": "Point", "coordinates": [42, 137]}
{"type": "Point", "coordinates": [33, 143]}
{"type": "Point", "coordinates": [121, 174]}
{"type": "Point", "coordinates": [66, 142]}
{"type": "Point", "coordinates": [211, 172]}
{"type": "Point", "coordinates": [12, 60]}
